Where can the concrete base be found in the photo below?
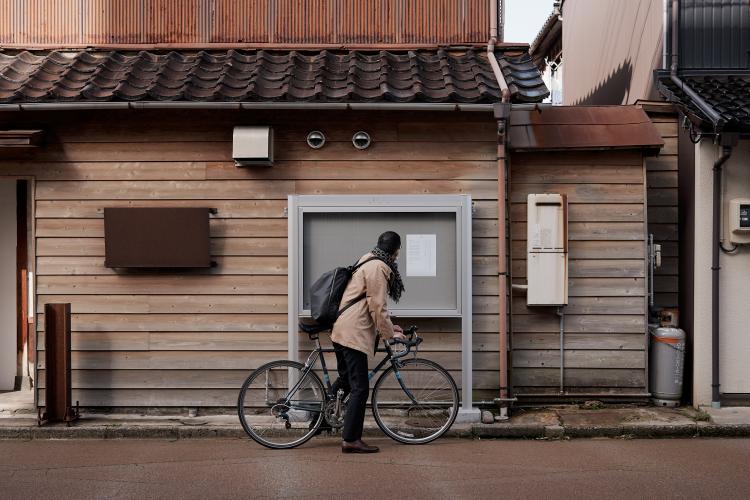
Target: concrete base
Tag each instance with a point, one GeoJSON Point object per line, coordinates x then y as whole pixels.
{"type": "Point", "coordinates": [15, 403]}
{"type": "Point", "coordinates": [469, 416]}
{"type": "Point", "coordinates": [666, 403]}
{"type": "Point", "coordinates": [558, 423]}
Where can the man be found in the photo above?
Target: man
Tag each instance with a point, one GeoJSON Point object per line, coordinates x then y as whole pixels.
{"type": "Point", "coordinates": [356, 332]}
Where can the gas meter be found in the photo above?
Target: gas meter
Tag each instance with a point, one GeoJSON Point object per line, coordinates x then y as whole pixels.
{"type": "Point", "coordinates": [737, 221]}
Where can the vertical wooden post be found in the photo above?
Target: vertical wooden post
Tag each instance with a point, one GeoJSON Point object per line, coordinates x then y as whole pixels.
{"type": "Point", "coordinates": [58, 393]}
{"type": "Point", "coordinates": [22, 322]}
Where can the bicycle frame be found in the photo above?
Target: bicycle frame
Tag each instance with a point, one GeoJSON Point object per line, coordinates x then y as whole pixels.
{"type": "Point", "coordinates": [318, 353]}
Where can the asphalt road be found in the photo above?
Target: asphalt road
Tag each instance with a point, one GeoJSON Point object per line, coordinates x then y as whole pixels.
{"type": "Point", "coordinates": [449, 468]}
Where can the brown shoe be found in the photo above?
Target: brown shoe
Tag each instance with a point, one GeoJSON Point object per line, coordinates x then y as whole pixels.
{"type": "Point", "coordinates": [358, 446]}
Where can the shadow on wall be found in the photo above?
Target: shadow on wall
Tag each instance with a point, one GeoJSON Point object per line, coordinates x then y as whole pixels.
{"type": "Point", "coordinates": [614, 89]}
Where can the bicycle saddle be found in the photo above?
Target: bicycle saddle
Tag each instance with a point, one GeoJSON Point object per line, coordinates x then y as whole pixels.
{"type": "Point", "coordinates": [312, 328]}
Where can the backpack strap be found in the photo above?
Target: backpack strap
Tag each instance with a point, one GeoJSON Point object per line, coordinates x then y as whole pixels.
{"type": "Point", "coordinates": [350, 304]}
{"type": "Point", "coordinates": [357, 266]}
{"type": "Point", "coordinates": [359, 297]}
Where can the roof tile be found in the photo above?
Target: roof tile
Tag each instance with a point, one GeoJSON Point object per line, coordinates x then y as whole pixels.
{"type": "Point", "coordinates": [728, 95]}
{"type": "Point", "coordinates": [443, 75]}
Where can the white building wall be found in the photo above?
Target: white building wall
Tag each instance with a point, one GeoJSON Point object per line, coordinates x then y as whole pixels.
{"type": "Point", "coordinates": [734, 345]}
{"type": "Point", "coordinates": [8, 331]}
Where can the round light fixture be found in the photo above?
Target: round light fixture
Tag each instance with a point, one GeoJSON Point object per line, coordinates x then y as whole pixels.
{"type": "Point", "coordinates": [361, 140]}
{"type": "Point", "coordinates": [316, 139]}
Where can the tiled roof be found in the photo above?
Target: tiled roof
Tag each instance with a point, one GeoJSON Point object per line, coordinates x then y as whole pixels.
{"type": "Point", "coordinates": [548, 42]}
{"type": "Point", "coordinates": [728, 96]}
{"type": "Point", "coordinates": [443, 76]}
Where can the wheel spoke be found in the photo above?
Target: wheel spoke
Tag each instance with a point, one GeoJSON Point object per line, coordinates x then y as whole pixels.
{"type": "Point", "coordinates": [272, 415]}
{"type": "Point", "coordinates": [436, 404]}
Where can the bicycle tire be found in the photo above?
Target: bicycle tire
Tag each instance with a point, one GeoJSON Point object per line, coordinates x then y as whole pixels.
{"type": "Point", "coordinates": [272, 424]}
{"type": "Point", "coordinates": [407, 427]}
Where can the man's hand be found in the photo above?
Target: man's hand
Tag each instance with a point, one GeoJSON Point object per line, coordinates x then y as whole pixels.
{"type": "Point", "coordinates": [398, 333]}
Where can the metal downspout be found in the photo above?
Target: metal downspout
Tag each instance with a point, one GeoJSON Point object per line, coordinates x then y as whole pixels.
{"type": "Point", "coordinates": [504, 91]}
{"type": "Point", "coordinates": [666, 34]}
{"type": "Point", "coordinates": [704, 107]}
{"type": "Point", "coordinates": [502, 114]}
{"type": "Point", "coordinates": [715, 268]}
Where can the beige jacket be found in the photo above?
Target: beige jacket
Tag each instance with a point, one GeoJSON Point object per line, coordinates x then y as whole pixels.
{"type": "Point", "coordinates": [358, 326]}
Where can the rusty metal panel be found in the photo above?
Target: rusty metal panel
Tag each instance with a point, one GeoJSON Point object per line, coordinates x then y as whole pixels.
{"type": "Point", "coordinates": [113, 21]}
{"type": "Point", "coordinates": [239, 21]}
{"type": "Point", "coordinates": [583, 127]}
{"type": "Point", "coordinates": [477, 20]}
{"type": "Point", "coordinates": [45, 22]}
{"type": "Point", "coordinates": [199, 23]}
{"type": "Point", "coordinates": [309, 21]}
{"type": "Point", "coordinates": [367, 21]}
{"type": "Point", "coordinates": [172, 21]}
{"type": "Point", "coordinates": [58, 398]}
{"type": "Point", "coordinates": [7, 30]}
{"type": "Point", "coordinates": [156, 237]}
{"type": "Point", "coordinates": [444, 21]}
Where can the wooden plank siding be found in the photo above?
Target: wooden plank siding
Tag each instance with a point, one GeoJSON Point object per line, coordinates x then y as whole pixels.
{"type": "Point", "coordinates": [605, 342]}
{"type": "Point", "coordinates": [662, 182]}
{"type": "Point", "coordinates": [188, 339]}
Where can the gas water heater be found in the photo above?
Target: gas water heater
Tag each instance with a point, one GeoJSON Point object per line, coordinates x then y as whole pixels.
{"type": "Point", "coordinates": [547, 250]}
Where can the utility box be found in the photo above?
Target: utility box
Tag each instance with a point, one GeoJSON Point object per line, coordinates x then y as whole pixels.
{"type": "Point", "coordinates": [737, 221]}
{"type": "Point", "coordinates": [547, 250]}
{"type": "Point", "coordinates": [252, 146]}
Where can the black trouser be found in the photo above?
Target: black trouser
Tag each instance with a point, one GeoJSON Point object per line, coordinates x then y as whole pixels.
{"type": "Point", "coordinates": [352, 368]}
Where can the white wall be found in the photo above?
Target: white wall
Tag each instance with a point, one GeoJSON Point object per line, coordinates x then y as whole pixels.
{"type": "Point", "coordinates": [615, 44]}
{"type": "Point", "coordinates": [734, 344]}
{"type": "Point", "coordinates": [7, 284]}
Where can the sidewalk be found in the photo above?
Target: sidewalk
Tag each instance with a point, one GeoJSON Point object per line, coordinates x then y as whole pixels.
{"type": "Point", "coordinates": [562, 422]}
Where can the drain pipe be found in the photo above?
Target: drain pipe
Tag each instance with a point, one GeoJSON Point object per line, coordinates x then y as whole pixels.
{"type": "Point", "coordinates": [666, 35]}
{"type": "Point", "coordinates": [726, 152]}
{"type": "Point", "coordinates": [705, 108]}
{"type": "Point", "coordinates": [504, 91]}
{"type": "Point", "coordinates": [561, 315]}
{"type": "Point", "coordinates": [502, 115]}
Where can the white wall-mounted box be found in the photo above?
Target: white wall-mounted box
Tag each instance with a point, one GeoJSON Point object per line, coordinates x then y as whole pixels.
{"type": "Point", "coordinates": [547, 250]}
{"type": "Point", "coordinates": [737, 221]}
{"type": "Point", "coordinates": [252, 146]}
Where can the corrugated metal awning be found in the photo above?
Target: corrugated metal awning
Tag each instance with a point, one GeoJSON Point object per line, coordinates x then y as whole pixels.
{"type": "Point", "coordinates": [582, 127]}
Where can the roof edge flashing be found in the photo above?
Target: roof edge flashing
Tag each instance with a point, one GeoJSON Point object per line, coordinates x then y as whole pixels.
{"type": "Point", "coordinates": [136, 105]}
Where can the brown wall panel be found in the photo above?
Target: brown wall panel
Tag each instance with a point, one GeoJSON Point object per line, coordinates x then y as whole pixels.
{"type": "Point", "coordinates": [201, 23]}
{"type": "Point", "coordinates": [232, 317]}
{"type": "Point", "coordinates": [605, 321]}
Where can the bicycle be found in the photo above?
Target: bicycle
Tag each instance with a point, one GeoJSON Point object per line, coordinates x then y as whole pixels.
{"type": "Point", "coordinates": [283, 403]}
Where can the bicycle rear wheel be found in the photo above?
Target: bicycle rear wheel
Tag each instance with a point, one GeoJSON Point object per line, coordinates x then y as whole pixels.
{"type": "Point", "coordinates": [281, 406]}
{"type": "Point", "coordinates": [417, 404]}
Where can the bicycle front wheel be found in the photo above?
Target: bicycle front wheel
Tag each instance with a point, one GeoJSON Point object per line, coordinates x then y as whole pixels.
{"type": "Point", "coordinates": [280, 405]}
{"type": "Point", "coordinates": [417, 403]}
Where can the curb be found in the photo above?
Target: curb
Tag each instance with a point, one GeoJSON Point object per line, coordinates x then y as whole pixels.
{"type": "Point", "coordinates": [476, 431]}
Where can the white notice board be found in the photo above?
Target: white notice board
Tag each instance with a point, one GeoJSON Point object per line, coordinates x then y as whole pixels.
{"type": "Point", "coordinates": [421, 255]}
{"type": "Point", "coordinates": [328, 231]}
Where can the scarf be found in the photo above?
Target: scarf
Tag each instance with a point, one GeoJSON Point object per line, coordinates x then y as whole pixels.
{"type": "Point", "coordinates": [395, 285]}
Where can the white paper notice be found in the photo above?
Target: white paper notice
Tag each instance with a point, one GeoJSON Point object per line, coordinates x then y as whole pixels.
{"type": "Point", "coordinates": [421, 255]}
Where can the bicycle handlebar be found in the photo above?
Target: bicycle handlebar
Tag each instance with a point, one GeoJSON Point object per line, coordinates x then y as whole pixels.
{"type": "Point", "coordinates": [413, 340]}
